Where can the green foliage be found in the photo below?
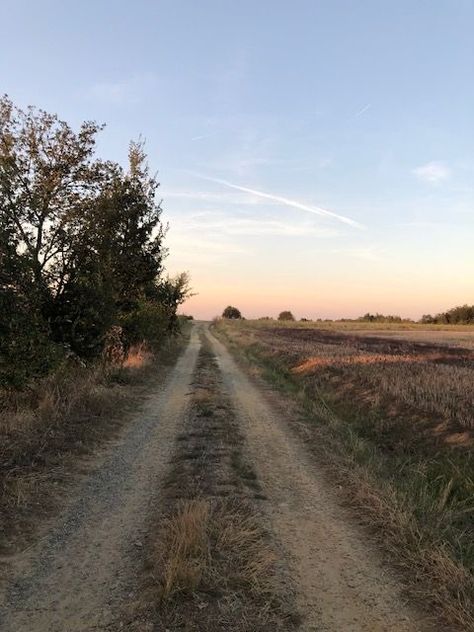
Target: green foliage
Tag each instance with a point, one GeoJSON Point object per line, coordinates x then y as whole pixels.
{"type": "Point", "coordinates": [286, 315]}
{"type": "Point", "coordinates": [171, 293]}
{"type": "Point", "coordinates": [381, 318]}
{"type": "Point", "coordinates": [147, 322]}
{"type": "Point", "coordinates": [25, 347]}
{"type": "Point", "coordinates": [81, 246]}
{"type": "Point", "coordinates": [461, 315]}
{"type": "Point", "coordinates": [84, 312]}
{"type": "Point", "coordinates": [231, 312]}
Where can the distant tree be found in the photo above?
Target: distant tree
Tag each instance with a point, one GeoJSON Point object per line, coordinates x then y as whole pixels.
{"type": "Point", "coordinates": [427, 319]}
{"type": "Point", "coordinates": [231, 312]}
{"type": "Point", "coordinates": [305, 320]}
{"type": "Point", "coordinates": [460, 315]}
{"type": "Point", "coordinates": [382, 318]}
{"type": "Point", "coordinates": [286, 315]}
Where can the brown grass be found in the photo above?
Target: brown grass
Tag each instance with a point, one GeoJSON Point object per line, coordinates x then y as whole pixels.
{"type": "Point", "coordinates": [396, 436]}
{"type": "Point", "coordinates": [210, 546]}
{"type": "Point", "coordinates": [46, 427]}
{"type": "Point", "coordinates": [210, 563]}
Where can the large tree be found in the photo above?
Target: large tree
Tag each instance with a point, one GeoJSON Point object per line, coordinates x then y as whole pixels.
{"type": "Point", "coordinates": [81, 239]}
{"type": "Point", "coordinates": [49, 180]}
{"type": "Point", "coordinates": [88, 231]}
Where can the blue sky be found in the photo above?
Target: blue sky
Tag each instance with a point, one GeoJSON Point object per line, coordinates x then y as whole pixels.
{"type": "Point", "coordinates": [354, 119]}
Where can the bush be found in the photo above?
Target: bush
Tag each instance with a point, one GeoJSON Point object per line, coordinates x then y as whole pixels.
{"type": "Point", "coordinates": [286, 315]}
{"type": "Point", "coordinates": [148, 322]}
{"type": "Point", "coordinates": [231, 313]}
{"type": "Point", "coordinates": [26, 350]}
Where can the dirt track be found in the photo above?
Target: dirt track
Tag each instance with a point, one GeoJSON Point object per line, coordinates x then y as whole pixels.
{"type": "Point", "coordinates": [342, 584]}
{"type": "Point", "coordinates": [74, 578]}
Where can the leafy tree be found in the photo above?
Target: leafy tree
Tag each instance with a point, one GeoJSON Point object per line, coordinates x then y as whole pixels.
{"type": "Point", "coordinates": [48, 181]}
{"type": "Point", "coordinates": [460, 315]}
{"type": "Point", "coordinates": [427, 319]}
{"type": "Point", "coordinates": [25, 347]}
{"type": "Point", "coordinates": [232, 313]}
{"type": "Point", "coordinates": [170, 293]}
{"type": "Point", "coordinates": [286, 315]}
{"type": "Point", "coordinates": [125, 230]}
{"type": "Point", "coordinates": [81, 242]}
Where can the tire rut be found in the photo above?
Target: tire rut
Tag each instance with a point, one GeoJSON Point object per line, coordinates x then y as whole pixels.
{"type": "Point", "coordinates": [74, 577]}
{"type": "Point", "coordinates": [342, 582]}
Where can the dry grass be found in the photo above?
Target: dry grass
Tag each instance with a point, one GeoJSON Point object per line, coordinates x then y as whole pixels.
{"type": "Point", "coordinates": [211, 547]}
{"type": "Point", "coordinates": [393, 422]}
{"type": "Point", "coordinates": [210, 564]}
{"type": "Point", "coordinates": [46, 427]}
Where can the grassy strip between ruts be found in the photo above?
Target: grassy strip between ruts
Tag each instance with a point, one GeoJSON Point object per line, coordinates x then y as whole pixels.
{"type": "Point", "coordinates": [46, 429]}
{"type": "Point", "coordinates": [398, 496]}
{"type": "Point", "coordinates": [210, 563]}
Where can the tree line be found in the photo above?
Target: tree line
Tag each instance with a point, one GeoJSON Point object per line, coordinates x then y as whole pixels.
{"type": "Point", "coordinates": [461, 315]}
{"type": "Point", "coordinates": [81, 247]}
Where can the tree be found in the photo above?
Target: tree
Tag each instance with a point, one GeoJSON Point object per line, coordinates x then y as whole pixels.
{"type": "Point", "coordinates": [25, 347]}
{"type": "Point", "coordinates": [232, 313]}
{"type": "Point", "coordinates": [90, 232]}
{"type": "Point", "coordinates": [81, 239]}
{"type": "Point", "coordinates": [48, 181]}
{"type": "Point", "coordinates": [286, 315]}
{"type": "Point", "coordinates": [125, 230]}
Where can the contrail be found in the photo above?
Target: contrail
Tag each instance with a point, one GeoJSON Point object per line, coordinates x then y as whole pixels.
{"type": "Point", "coordinates": [202, 136]}
{"type": "Point", "coordinates": [362, 110]}
{"type": "Point", "coordinates": [316, 210]}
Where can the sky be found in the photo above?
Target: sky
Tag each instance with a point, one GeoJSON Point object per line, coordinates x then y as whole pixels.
{"type": "Point", "coordinates": [314, 155]}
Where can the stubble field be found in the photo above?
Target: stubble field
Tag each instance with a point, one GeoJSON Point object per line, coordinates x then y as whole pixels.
{"type": "Point", "coordinates": [390, 410]}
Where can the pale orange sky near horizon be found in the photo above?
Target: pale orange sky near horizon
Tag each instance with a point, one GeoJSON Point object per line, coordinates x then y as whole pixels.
{"type": "Point", "coordinates": [313, 156]}
{"type": "Point", "coordinates": [321, 284]}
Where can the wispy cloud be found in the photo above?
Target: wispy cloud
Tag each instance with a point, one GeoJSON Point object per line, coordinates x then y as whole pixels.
{"type": "Point", "coordinates": [316, 210]}
{"type": "Point", "coordinates": [362, 110]}
{"type": "Point", "coordinates": [203, 136]}
{"type": "Point", "coordinates": [130, 90]}
{"type": "Point", "coordinates": [209, 223]}
{"type": "Point", "coordinates": [365, 254]}
{"type": "Point", "coordinates": [213, 197]}
{"type": "Point", "coordinates": [432, 172]}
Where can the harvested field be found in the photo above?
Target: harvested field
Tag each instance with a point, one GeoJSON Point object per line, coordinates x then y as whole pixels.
{"type": "Point", "coordinates": [393, 420]}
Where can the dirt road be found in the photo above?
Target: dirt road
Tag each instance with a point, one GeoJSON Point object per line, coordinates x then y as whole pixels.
{"type": "Point", "coordinates": [75, 578]}
{"type": "Point", "coordinates": [342, 584]}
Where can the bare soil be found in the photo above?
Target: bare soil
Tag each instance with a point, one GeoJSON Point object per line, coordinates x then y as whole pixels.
{"type": "Point", "coordinates": [342, 582]}
{"type": "Point", "coordinates": [82, 574]}
{"type": "Point", "coordinates": [72, 579]}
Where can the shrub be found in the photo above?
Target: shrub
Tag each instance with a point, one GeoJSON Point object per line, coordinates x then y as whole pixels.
{"type": "Point", "coordinates": [286, 315]}
{"type": "Point", "coordinates": [148, 322]}
{"type": "Point", "coordinates": [231, 312]}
